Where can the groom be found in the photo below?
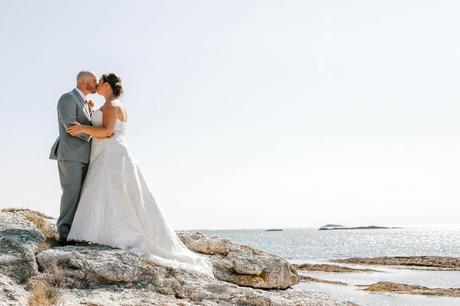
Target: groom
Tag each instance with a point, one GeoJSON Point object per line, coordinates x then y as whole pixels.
{"type": "Point", "coordinates": [72, 152]}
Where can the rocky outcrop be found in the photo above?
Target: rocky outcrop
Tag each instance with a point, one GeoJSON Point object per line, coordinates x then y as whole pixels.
{"type": "Point", "coordinates": [306, 278]}
{"type": "Point", "coordinates": [101, 275]}
{"type": "Point", "coordinates": [329, 268]}
{"type": "Point", "coordinates": [19, 240]}
{"type": "Point", "coordinates": [439, 262]}
{"type": "Point", "coordinates": [104, 269]}
{"type": "Point", "coordinates": [11, 294]}
{"type": "Point", "coordinates": [111, 296]}
{"type": "Point", "coordinates": [241, 264]}
{"type": "Point", "coordinates": [411, 289]}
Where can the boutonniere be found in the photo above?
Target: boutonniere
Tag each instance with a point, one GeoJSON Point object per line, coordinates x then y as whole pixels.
{"type": "Point", "coordinates": [90, 104]}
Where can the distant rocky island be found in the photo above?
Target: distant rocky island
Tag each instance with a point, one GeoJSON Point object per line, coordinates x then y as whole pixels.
{"type": "Point", "coordinates": [343, 227]}
{"type": "Point", "coordinates": [273, 230]}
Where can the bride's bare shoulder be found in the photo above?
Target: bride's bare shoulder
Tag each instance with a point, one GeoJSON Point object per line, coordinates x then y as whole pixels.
{"type": "Point", "coordinates": [117, 106]}
{"type": "Point", "coordinates": [116, 103]}
{"type": "Point", "coordinates": [112, 105]}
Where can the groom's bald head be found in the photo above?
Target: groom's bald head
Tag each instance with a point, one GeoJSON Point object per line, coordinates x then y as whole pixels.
{"type": "Point", "coordinates": [84, 74]}
{"type": "Point", "coordinates": [86, 82]}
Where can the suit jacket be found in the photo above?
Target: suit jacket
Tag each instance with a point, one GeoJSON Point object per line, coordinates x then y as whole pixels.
{"type": "Point", "coordinates": [71, 108]}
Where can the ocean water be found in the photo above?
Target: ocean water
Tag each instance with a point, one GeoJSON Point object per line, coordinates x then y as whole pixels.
{"type": "Point", "coordinates": [314, 246]}
{"type": "Point", "coordinates": [297, 245]}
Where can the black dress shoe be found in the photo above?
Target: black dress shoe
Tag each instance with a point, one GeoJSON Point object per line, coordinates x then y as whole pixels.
{"type": "Point", "coordinates": [61, 242]}
{"type": "Point", "coordinates": [72, 242]}
{"type": "Point", "coordinates": [84, 243]}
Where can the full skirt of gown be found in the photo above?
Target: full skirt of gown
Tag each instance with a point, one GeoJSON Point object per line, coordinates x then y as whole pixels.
{"type": "Point", "coordinates": [116, 208]}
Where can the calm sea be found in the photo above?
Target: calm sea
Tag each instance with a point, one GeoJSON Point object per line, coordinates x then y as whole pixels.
{"type": "Point", "coordinates": [300, 244]}
{"type": "Point", "coordinates": [312, 245]}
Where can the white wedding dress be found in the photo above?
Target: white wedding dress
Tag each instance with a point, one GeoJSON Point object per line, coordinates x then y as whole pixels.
{"type": "Point", "coordinates": [116, 207]}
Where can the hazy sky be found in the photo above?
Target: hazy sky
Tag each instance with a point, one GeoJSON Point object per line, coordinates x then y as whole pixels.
{"type": "Point", "coordinates": [249, 114]}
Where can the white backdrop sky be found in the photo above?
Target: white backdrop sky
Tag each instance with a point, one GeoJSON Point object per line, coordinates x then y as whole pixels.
{"type": "Point", "coordinates": [249, 114]}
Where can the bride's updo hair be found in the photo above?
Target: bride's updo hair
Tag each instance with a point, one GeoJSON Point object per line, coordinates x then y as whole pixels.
{"type": "Point", "coordinates": [114, 82]}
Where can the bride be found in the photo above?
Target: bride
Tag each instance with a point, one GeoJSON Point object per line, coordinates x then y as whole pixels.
{"type": "Point", "coordinates": [116, 207]}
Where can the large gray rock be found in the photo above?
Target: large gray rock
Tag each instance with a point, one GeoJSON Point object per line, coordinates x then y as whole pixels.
{"type": "Point", "coordinates": [242, 264]}
{"type": "Point", "coordinates": [119, 277]}
{"type": "Point", "coordinates": [11, 294]}
{"type": "Point", "coordinates": [19, 240]}
{"type": "Point", "coordinates": [145, 297]}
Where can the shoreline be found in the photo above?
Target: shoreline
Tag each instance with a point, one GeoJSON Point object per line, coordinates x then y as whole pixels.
{"type": "Point", "coordinates": [378, 275]}
{"type": "Point", "coordinates": [316, 279]}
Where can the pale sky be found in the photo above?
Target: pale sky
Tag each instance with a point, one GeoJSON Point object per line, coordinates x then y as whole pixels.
{"type": "Point", "coordinates": [249, 114]}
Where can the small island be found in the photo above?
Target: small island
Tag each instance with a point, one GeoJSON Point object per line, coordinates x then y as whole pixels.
{"type": "Point", "coordinates": [342, 227]}
{"type": "Point", "coordinates": [273, 230]}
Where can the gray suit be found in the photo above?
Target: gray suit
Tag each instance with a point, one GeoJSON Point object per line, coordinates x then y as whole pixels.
{"type": "Point", "coordinates": [72, 154]}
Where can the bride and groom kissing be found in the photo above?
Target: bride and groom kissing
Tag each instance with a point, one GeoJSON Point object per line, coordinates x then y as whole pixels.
{"type": "Point", "coordinates": [105, 199]}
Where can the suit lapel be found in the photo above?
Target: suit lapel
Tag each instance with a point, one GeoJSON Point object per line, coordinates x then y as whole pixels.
{"type": "Point", "coordinates": [82, 103]}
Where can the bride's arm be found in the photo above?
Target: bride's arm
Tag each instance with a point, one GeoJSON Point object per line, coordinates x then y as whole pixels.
{"type": "Point", "coordinates": [105, 131]}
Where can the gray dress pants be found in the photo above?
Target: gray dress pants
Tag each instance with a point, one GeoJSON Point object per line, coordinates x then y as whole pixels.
{"type": "Point", "coordinates": [72, 175]}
